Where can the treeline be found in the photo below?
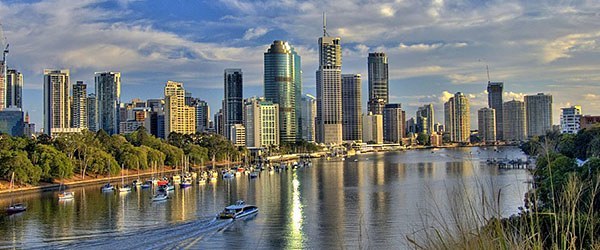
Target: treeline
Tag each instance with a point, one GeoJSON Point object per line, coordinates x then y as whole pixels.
{"type": "Point", "coordinates": [88, 153]}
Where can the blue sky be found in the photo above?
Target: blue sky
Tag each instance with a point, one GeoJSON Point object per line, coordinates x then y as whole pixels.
{"type": "Point", "coordinates": [435, 48]}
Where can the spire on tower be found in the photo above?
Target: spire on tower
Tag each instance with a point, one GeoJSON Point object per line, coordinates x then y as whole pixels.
{"type": "Point", "coordinates": [325, 24]}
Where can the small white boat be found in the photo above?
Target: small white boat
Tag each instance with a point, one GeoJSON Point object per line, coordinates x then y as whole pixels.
{"type": "Point", "coordinates": [125, 189]}
{"type": "Point", "coordinates": [239, 210]}
{"type": "Point", "coordinates": [161, 196]}
{"type": "Point", "coordinates": [107, 188]}
{"type": "Point", "coordinates": [66, 196]}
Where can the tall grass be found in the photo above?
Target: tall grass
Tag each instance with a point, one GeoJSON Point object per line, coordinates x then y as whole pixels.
{"type": "Point", "coordinates": [570, 222]}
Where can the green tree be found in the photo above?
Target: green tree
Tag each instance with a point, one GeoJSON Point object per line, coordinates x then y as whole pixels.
{"type": "Point", "coordinates": [19, 163]}
{"type": "Point", "coordinates": [54, 164]}
{"type": "Point", "coordinates": [101, 162]}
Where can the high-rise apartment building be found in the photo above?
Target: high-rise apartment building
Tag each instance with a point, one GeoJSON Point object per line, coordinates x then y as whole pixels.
{"type": "Point", "coordinates": [79, 108]}
{"type": "Point", "coordinates": [261, 123]}
{"type": "Point", "coordinates": [377, 64]}
{"type": "Point", "coordinates": [282, 77]}
{"type": "Point", "coordinates": [570, 119]}
{"type": "Point", "coordinates": [329, 90]}
{"type": "Point", "coordinates": [515, 124]}
{"type": "Point", "coordinates": [495, 92]}
{"type": "Point", "coordinates": [14, 89]}
{"type": "Point", "coordinates": [92, 122]}
{"type": "Point", "coordinates": [108, 97]}
{"type": "Point", "coordinates": [538, 112]}
{"type": "Point", "coordinates": [373, 128]}
{"type": "Point", "coordinates": [457, 118]}
{"type": "Point", "coordinates": [351, 107]}
{"type": "Point", "coordinates": [487, 124]}
{"type": "Point", "coordinates": [425, 119]}
{"type": "Point", "coordinates": [394, 122]}
{"type": "Point", "coordinates": [233, 102]}
{"type": "Point", "coordinates": [238, 134]}
{"type": "Point", "coordinates": [202, 115]}
{"type": "Point", "coordinates": [57, 104]}
{"type": "Point", "coordinates": [308, 116]}
{"type": "Point", "coordinates": [179, 117]}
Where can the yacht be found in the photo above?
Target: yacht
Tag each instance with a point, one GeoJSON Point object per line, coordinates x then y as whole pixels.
{"type": "Point", "coordinates": [161, 196]}
{"type": "Point", "coordinates": [227, 175]}
{"type": "Point", "coordinates": [239, 210]}
{"type": "Point", "coordinates": [108, 187]}
{"type": "Point", "coordinates": [16, 208]}
{"type": "Point", "coordinates": [66, 196]}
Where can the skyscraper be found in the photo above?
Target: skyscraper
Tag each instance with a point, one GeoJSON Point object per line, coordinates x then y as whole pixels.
{"type": "Point", "coordinates": [394, 122]}
{"type": "Point", "coordinates": [14, 89]}
{"type": "Point", "coordinates": [457, 118]}
{"type": "Point", "coordinates": [515, 125]}
{"type": "Point", "coordinates": [202, 115]}
{"type": "Point", "coordinates": [378, 82]}
{"type": "Point", "coordinates": [351, 107]}
{"type": "Point", "coordinates": [233, 102]}
{"type": "Point", "coordinates": [329, 90]}
{"type": "Point", "coordinates": [425, 119]}
{"type": "Point", "coordinates": [308, 116]}
{"type": "Point", "coordinates": [570, 119]}
{"type": "Point", "coordinates": [487, 124]}
{"type": "Point", "coordinates": [495, 92]}
{"type": "Point", "coordinates": [79, 111]}
{"type": "Point", "coordinates": [262, 123]}
{"type": "Point", "coordinates": [92, 122]}
{"type": "Point", "coordinates": [57, 104]}
{"type": "Point", "coordinates": [373, 128]}
{"type": "Point", "coordinates": [281, 78]}
{"type": "Point", "coordinates": [538, 109]}
{"type": "Point", "coordinates": [108, 97]}
{"type": "Point", "coordinates": [179, 117]}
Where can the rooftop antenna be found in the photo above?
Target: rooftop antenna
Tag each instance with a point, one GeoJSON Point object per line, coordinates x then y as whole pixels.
{"type": "Point", "coordinates": [488, 72]}
{"type": "Point", "coordinates": [325, 24]}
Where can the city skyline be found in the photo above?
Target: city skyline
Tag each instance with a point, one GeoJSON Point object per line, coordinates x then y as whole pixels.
{"type": "Point", "coordinates": [562, 68]}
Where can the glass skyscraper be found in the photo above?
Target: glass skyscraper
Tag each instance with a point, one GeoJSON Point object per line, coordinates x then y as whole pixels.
{"type": "Point", "coordinates": [495, 90]}
{"type": "Point", "coordinates": [108, 97]}
{"type": "Point", "coordinates": [233, 104]}
{"type": "Point", "coordinates": [378, 82]}
{"type": "Point", "coordinates": [282, 78]}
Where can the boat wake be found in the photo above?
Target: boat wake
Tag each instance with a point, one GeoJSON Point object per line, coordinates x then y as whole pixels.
{"type": "Point", "coordinates": [172, 236]}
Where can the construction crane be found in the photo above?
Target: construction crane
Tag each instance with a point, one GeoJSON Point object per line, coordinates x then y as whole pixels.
{"type": "Point", "coordinates": [4, 44]}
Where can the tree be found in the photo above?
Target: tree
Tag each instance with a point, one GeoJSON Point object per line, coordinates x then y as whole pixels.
{"type": "Point", "coordinates": [19, 163]}
{"type": "Point", "coordinates": [100, 162]}
{"type": "Point", "coordinates": [423, 139]}
{"type": "Point", "coordinates": [54, 164]}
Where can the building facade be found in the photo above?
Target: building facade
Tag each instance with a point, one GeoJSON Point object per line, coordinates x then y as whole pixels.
{"type": "Point", "coordinates": [14, 89]}
{"type": "Point", "coordinates": [588, 121]}
{"type": "Point", "coordinates": [495, 92]}
{"type": "Point", "coordinates": [92, 122]}
{"type": "Point", "coordinates": [179, 117]}
{"type": "Point", "coordinates": [233, 102]}
{"type": "Point", "coordinates": [457, 118]}
{"type": "Point", "coordinates": [570, 119]}
{"type": "Point", "coordinates": [262, 123]}
{"type": "Point", "coordinates": [108, 98]}
{"type": "Point", "coordinates": [538, 112]}
{"type": "Point", "coordinates": [80, 110]}
{"type": "Point", "coordinates": [202, 115]}
{"type": "Point", "coordinates": [282, 78]}
{"type": "Point", "coordinates": [515, 124]}
{"type": "Point", "coordinates": [486, 119]}
{"type": "Point", "coordinates": [238, 135]}
{"type": "Point", "coordinates": [351, 107]}
{"type": "Point", "coordinates": [11, 121]}
{"type": "Point", "coordinates": [57, 104]}
{"type": "Point", "coordinates": [373, 128]}
{"type": "Point", "coordinates": [329, 91]}
{"type": "Point", "coordinates": [394, 122]}
{"type": "Point", "coordinates": [377, 65]}
{"type": "Point", "coordinates": [425, 119]}
{"type": "Point", "coordinates": [308, 116]}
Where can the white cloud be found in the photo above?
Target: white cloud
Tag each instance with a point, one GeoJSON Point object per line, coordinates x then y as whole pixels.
{"type": "Point", "coordinates": [253, 33]}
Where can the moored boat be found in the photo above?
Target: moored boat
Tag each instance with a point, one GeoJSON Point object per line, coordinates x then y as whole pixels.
{"type": "Point", "coordinates": [66, 196]}
{"type": "Point", "coordinates": [160, 196]}
{"type": "Point", "coordinates": [16, 208]}
{"type": "Point", "coordinates": [238, 210]}
{"type": "Point", "coordinates": [107, 188]}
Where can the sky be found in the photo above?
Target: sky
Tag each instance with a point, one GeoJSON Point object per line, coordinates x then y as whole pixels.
{"type": "Point", "coordinates": [435, 47]}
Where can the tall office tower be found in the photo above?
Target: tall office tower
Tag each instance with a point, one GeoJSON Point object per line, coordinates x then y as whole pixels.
{"type": "Point", "coordinates": [57, 104]}
{"type": "Point", "coordinates": [218, 122]}
{"type": "Point", "coordinates": [570, 119]}
{"type": "Point", "coordinates": [394, 122]}
{"type": "Point", "coordinates": [179, 117]}
{"type": "Point", "coordinates": [411, 126]}
{"type": "Point", "coordinates": [515, 125]}
{"type": "Point", "coordinates": [14, 89]}
{"type": "Point", "coordinates": [425, 119]}
{"type": "Point", "coordinates": [80, 110]}
{"type": "Point", "coordinates": [281, 75]}
{"type": "Point", "coordinates": [378, 82]}
{"type": "Point", "coordinates": [308, 116]}
{"type": "Point", "coordinates": [373, 128]}
{"type": "Point", "coordinates": [202, 115]}
{"type": "Point", "coordinates": [233, 102]}
{"type": "Point", "coordinates": [538, 109]}
{"type": "Point", "coordinates": [495, 92]}
{"type": "Point", "coordinates": [351, 107]}
{"type": "Point", "coordinates": [487, 124]}
{"type": "Point", "coordinates": [108, 97]}
{"type": "Point", "coordinates": [92, 122]}
{"type": "Point", "coordinates": [457, 118]}
{"type": "Point", "coordinates": [329, 90]}
{"type": "Point", "coordinates": [262, 123]}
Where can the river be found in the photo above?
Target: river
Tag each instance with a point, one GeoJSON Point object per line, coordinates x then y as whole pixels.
{"type": "Point", "coordinates": [366, 201]}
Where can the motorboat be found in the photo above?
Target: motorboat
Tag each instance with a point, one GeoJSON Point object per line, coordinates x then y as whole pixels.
{"type": "Point", "coordinates": [16, 208]}
{"type": "Point", "coordinates": [254, 174]}
{"type": "Point", "coordinates": [146, 185]}
{"type": "Point", "coordinates": [161, 196]}
{"type": "Point", "coordinates": [187, 182]}
{"type": "Point", "coordinates": [238, 210]}
{"type": "Point", "coordinates": [66, 196]}
{"type": "Point", "coordinates": [108, 188]}
{"type": "Point", "coordinates": [227, 175]}
{"type": "Point", "coordinates": [125, 189]}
